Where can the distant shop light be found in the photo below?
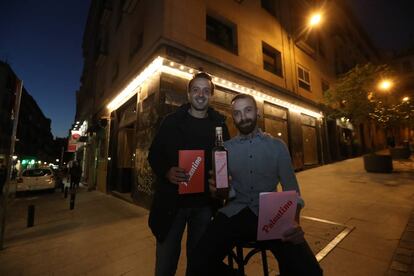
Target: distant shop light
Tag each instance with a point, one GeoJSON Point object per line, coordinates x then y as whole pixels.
{"type": "Point", "coordinates": [160, 64]}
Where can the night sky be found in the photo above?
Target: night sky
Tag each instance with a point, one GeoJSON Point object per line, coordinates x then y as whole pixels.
{"type": "Point", "coordinates": [42, 39]}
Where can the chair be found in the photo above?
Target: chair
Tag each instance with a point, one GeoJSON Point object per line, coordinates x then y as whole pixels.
{"type": "Point", "coordinates": [254, 248]}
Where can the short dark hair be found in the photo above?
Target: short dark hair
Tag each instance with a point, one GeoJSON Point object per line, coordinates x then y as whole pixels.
{"type": "Point", "coordinates": [244, 96]}
{"type": "Point", "coordinates": [201, 75]}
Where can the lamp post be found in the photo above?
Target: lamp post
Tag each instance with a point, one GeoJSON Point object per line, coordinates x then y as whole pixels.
{"type": "Point", "coordinates": [10, 162]}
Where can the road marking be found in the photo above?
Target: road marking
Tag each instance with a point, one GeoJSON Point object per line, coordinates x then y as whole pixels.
{"type": "Point", "coordinates": [335, 241]}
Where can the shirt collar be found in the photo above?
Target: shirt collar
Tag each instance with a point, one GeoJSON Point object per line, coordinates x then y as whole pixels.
{"type": "Point", "coordinates": [258, 134]}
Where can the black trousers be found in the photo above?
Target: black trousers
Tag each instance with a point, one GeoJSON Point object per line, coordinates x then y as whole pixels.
{"type": "Point", "coordinates": [223, 232]}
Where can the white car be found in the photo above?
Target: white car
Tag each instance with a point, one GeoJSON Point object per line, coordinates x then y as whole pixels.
{"type": "Point", "coordinates": [36, 179]}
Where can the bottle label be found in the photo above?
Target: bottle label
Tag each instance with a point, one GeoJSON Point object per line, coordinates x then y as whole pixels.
{"type": "Point", "coordinates": [220, 163]}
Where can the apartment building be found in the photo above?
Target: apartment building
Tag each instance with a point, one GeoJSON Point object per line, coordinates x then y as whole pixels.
{"type": "Point", "coordinates": [139, 55]}
{"type": "Point", "coordinates": [34, 136]}
{"type": "Point", "coordinates": [403, 64]}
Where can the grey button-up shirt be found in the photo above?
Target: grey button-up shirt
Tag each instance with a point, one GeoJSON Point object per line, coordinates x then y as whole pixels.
{"type": "Point", "coordinates": [257, 165]}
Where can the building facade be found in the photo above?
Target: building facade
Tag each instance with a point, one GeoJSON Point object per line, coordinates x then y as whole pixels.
{"type": "Point", "coordinates": [139, 55]}
{"type": "Point", "coordinates": [34, 137]}
{"type": "Point", "coordinates": [403, 64]}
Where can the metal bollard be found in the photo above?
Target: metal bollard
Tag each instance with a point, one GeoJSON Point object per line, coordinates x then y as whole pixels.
{"type": "Point", "coordinates": [30, 215]}
{"type": "Point", "coordinates": [66, 192]}
{"type": "Point", "coordinates": [72, 199]}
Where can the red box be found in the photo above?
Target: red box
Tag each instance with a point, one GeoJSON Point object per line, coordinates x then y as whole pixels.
{"type": "Point", "coordinates": [192, 161]}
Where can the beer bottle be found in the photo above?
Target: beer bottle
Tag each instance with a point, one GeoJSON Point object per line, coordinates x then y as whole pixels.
{"type": "Point", "coordinates": [220, 171]}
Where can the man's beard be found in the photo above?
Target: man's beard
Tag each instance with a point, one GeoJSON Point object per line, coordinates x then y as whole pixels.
{"type": "Point", "coordinates": [246, 126]}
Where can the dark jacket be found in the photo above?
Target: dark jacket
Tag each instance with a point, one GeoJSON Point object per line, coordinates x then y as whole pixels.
{"type": "Point", "coordinates": [163, 154]}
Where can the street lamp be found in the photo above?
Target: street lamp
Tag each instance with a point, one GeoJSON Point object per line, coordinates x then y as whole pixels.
{"type": "Point", "coordinates": [405, 99]}
{"type": "Point", "coordinates": [385, 85]}
{"type": "Point", "coordinates": [315, 19]}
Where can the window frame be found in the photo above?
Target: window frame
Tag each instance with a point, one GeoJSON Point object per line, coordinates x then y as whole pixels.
{"type": "Point", "coordinates": [302, 82]}
{"type": "Point", "coordinates": [277, 58]}
{"type": "Point", "coordinates": [228, 25]}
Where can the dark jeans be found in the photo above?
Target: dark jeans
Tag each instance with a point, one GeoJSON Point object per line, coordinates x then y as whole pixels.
{"type": "Point", "coordinates": [168, 252]}
{"type": "Point", "coordinates": [74, 182]}
{"type": "Point", "coordinates": [220, 237]}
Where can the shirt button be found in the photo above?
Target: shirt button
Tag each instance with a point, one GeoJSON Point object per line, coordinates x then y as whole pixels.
{"type": "Point", "coordinates": [251, 171]}
{"type": "Point", "coordinates": [251, 188]}
{"type": "Point", "coordinates": [250, 141]}
{"type": "Point", "coordinates": [251, 199]}
{"type": "Point", "coordinates": [251, 156]}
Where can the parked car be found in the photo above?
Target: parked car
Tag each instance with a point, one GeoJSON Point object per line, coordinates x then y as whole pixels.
{"type": "Point", "coordinates": [36, 179]}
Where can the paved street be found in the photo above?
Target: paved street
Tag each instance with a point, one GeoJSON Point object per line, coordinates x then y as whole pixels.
{"type": "Point", "coordinates": [365, 214]}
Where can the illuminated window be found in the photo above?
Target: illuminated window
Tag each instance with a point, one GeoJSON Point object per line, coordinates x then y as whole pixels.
{"type": "Point", "coordinates": [304, 78]}
{"type": "Point", "coordinates": [272, 60]}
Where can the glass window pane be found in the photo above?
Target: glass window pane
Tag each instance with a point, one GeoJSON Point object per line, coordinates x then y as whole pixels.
{"type": "Point", "coordinates": [275, 111]}
{"type": "Point", "coordinates": [277, 129]}
{"type": "Point", "coordinates": [310, 153]}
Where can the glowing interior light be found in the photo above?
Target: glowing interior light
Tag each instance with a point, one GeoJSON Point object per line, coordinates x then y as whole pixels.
{"type": "Point", "coordinates": [176, 72]}
{"type": "Point", "coordinates": [132, 88]}
{"type": "Point", "coordinates": [170, 68]}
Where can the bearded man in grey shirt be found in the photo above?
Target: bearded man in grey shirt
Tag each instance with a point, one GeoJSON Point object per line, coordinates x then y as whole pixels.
{"type": "Point", "coordinates": [257, 163]}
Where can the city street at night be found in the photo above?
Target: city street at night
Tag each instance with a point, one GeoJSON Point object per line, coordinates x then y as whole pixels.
{"type": "Point", "coordinates": [261, 137]}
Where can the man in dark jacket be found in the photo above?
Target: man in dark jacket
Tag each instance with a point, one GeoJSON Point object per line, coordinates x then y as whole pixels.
{"type": "Point", "coordinates": [191, 127]}
{"type": "Point", "coordinates": [75, 175]}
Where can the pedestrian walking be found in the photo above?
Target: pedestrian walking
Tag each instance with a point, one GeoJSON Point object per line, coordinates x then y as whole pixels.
{"type": "Point", "coordinates": [75, 173]}
{"type": "Point", "coordinates": [191, 127]}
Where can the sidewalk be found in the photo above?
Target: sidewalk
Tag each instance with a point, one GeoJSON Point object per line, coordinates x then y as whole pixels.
{"type": "Point", "coordinates": [365, 213]}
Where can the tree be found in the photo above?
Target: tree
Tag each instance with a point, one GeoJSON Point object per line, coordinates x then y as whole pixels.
{"type": "Point", "coordinates": [355, 97]}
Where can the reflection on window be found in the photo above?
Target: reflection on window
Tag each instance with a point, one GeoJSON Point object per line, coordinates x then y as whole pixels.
{"type": "Point", "coordinates": [310, 146]}
{"type": "Point", "coordinates": [304, 78]}
{"type": "Point", "coordinates": [275, 121]}
{"type": "Point", "coordinates": [272, 60]}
